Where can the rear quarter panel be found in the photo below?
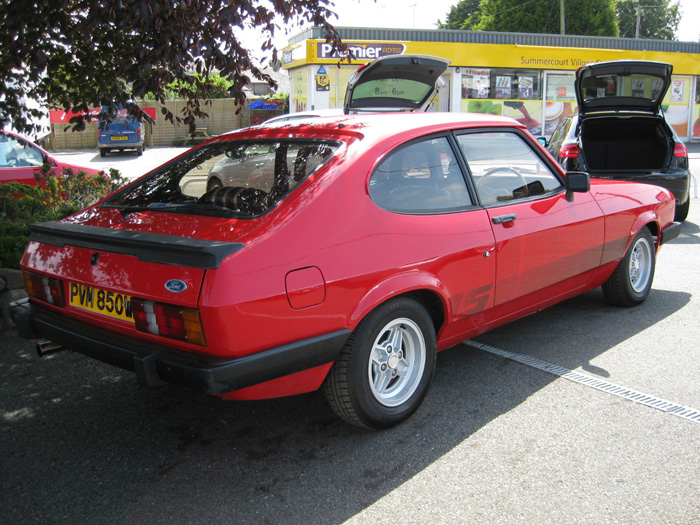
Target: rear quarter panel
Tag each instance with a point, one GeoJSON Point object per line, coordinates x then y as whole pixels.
{"type": "Point", "coordinates": [628, 207]}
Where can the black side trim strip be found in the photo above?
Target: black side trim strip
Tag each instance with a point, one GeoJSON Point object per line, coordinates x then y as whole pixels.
{"type": "Point", "coordinates": [147, 247]}
{"type": "Point", "coordinates": [670, 232]}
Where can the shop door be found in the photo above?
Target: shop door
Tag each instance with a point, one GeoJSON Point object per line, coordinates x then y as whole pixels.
{"type": "Point", "coordinates": [678, 105]}
{"type": "Point", "coordinates": [559, 99]}
{"type": "Point", "coordinates": [696, 111]}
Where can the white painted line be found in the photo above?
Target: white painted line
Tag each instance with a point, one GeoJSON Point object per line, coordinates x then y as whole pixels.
{"type": "Point", "coordinates": [688, 413]}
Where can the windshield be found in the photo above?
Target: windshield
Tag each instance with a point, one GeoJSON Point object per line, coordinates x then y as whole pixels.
{"type": "Point", "coordinates": [234, 178]}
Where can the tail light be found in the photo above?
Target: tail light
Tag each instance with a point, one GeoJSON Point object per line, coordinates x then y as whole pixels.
{"type": "Point", "coordinates": [680, 150]}
{"type": "Point", "coordinates": [168, 320]}
{"type": "Point", "coordinates": [569, 151]}
{"type": "Point", "coordinates": [138, 131]}
{"type": "Point", "coordinates": [46, 289]}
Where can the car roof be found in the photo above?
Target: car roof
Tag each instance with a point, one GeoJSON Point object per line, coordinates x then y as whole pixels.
{"type": "Point", "coordinates": [378, 125]}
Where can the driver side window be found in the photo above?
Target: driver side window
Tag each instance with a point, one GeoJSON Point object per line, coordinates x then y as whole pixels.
{"type": "Point", "coordinates": [505, 168]}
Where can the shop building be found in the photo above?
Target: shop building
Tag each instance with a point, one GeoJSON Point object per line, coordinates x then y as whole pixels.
{"type": "Point", "coordinates": [529, 77]}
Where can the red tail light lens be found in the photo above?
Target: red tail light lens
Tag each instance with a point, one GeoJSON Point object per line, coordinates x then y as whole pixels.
{"type": "Point", "coordinates": [680, 150]}
{"type": "Point", "coordinates": [138, 131]}
{"type": "Point", "coordinates": [167, 320]}
{"type": "Point", "coordinates": [569, 151]}
{"type": "Point", "coordinates": [46, 289]}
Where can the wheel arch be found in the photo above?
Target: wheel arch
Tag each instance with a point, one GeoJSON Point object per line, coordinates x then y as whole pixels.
{"type": "Point", "coordinates": [422, 287]}
{"type": "Point", "coordinates": [646, 220]}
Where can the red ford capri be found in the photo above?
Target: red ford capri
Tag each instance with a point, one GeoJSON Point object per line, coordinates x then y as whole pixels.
{"type": "Point", "coordinates": [336, 252]}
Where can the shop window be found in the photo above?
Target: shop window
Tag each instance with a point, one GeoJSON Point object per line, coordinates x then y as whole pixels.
{"type": "Point", "coordinates": [513, 84]}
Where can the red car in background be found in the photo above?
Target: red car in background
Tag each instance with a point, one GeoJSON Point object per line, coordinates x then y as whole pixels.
{"type": "Point", "coordinates": [21, 160]}
{"type": "Point", "coordinates": [357, 247]}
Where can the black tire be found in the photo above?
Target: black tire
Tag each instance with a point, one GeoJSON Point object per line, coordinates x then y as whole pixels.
{"type": "Point", "coordinates": [103, 153]}
{"type": "Point", "coordinates": [373, 385]}
{"type": "Point", "coordinates": [682, 211]}
{"type": "Point", "coordinates": [139, 151]}
{"type": "Point", "coordinates": [630, 283]}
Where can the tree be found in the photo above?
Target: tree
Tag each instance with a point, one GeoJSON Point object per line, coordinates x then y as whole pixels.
{"type": "Point", "coordinates": [461, 16]}
{"type": "Point", "coordinates": [582, 17]}
{"type": "Point", "coordinates": [658, 19]}
{"type": "Point", "coordinates": [78, 54]}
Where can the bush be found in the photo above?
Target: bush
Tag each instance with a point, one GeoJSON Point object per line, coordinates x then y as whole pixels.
{"type": "Point", "coordinates": [52, 199]}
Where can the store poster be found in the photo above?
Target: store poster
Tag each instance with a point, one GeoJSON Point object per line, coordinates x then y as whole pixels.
{"type": "Point", "coordinates": [677, 90]}
{"type": "Point", "coordinates": [525, 87]}
{"type": "Point", "coordinates": [503, 86]}
{"type": "Point", "coordinates": [476, 83]}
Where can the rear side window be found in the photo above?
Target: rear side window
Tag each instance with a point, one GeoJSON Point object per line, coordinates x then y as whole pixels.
{"type": "Point", "coordinates": [234, 178]}
{"type": "Point", "coordinates": [505, 168]}
{"type": "Point", "coordinates": [422, 177]}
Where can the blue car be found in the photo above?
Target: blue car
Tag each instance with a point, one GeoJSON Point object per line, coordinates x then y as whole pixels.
{"type": "Point", "coordinates": [120, 133]}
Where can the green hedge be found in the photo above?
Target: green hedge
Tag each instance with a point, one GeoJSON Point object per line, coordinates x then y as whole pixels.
{"type": "Point", "coordinates": [52, 199]}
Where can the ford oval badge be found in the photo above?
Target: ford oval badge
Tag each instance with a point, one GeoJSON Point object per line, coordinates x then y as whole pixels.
{"type": "Point", "coordinates": [176, 286]}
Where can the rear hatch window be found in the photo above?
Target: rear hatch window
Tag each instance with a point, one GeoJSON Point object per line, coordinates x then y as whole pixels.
{"type": "Point", "coordinates": [625, 84]}
{"type": "Point", "coordinates": [241, 179]}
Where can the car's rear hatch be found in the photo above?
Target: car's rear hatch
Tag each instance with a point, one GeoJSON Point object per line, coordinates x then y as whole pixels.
{"type": "Point", "coordinates": [622, 132]}
{"type": "Point", "coordinates": [395, 83]}
{"type": "Point", "coordinates": [622, 85]}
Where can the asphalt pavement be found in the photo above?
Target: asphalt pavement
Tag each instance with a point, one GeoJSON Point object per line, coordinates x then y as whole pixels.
{"type": "Point", "coordinates": [496, 441]}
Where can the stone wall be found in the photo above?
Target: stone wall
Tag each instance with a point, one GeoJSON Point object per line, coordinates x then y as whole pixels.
{"type": "Point", "coordinates": [11, 289]}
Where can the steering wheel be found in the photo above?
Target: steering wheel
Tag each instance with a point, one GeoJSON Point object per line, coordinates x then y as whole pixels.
{"type": "Point", "coordinates": [490, 189]}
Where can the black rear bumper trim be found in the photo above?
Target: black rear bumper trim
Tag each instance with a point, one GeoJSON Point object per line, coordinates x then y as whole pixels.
{"type": "Point", "coordinates": [155, 365]}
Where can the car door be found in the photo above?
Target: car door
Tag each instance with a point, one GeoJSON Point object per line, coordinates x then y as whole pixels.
{"type": "Point", "coordinates": [423, 184]}
{"type": "Point", "coordinates": [546, 245]}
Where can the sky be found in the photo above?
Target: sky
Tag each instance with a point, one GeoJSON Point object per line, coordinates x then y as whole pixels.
{"type": "Point", "coordinates": [424, 14]}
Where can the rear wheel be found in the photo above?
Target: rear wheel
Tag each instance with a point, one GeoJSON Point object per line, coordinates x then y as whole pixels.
{"type": "Point", "coordinates": [139, 151]}
{"type": "Point", "coordinates": [386, 366]}
{"type": "Point", "coordinates": [103, 153]}
{"type": "Point", "coordinates": [682, 211]}
{"type": "Point", "coordinates": [631, 281]}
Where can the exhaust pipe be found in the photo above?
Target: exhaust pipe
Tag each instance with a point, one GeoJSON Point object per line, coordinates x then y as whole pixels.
{"type": "Point", "coordinates": [48, 347]}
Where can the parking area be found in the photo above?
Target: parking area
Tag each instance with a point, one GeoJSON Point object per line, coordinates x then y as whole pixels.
{"type": "Point", "coordinates": [128, 163]}
{"type": "Point", "coordinates": [498, 439]}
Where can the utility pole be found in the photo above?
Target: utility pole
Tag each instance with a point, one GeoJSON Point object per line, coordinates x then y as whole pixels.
{"type": "Point", "coordinates": [562, 18]}
{"type": "Point", "coordinates": [639, 18]}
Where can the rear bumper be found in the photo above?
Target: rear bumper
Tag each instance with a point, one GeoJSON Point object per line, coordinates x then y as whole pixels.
{"type": "Point", "coordinates": [155, 365]}
{"type": "Point", "coordinates": [119, 144]}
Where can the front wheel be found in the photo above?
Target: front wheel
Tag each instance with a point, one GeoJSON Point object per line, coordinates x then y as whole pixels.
{"type": "Point", "coordinates": [630, 283]}
{"type": "Point", "coordinates": [385, 368]}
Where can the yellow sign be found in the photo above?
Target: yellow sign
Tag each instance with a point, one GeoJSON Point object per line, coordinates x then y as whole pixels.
{"type": "Point", "coordinates": [323, 83]}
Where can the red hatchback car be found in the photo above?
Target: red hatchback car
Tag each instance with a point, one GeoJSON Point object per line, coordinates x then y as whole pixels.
{"type": "Point", "coordinates": [350, 251]}
{"type": "Point", "coordinates": [22, 160]}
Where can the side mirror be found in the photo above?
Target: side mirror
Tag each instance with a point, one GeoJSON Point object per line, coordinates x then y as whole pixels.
{"type": "Point", "coordinates": [543, 141]}
{"type": "Point", "coordinates": [577, 182]}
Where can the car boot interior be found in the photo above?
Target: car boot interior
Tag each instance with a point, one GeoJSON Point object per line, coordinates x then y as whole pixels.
{"type": "Point", "coordinates": [635, 143]}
